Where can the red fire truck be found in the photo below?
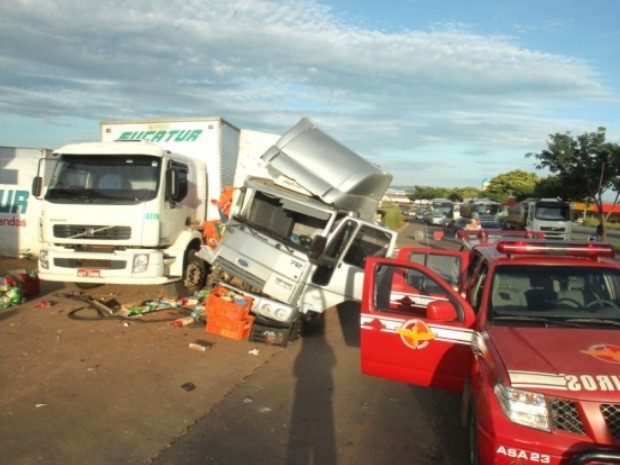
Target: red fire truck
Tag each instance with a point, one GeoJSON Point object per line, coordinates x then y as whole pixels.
{"type": "Point", "coordinates": [527, 330]}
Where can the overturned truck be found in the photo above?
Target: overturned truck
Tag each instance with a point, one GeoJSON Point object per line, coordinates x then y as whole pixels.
{"type": "Point", "coordinates": [296, 241]}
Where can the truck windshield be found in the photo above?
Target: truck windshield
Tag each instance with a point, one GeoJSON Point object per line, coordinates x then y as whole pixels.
{"type": "Point", "coordinates": [286, 220]}
{"type": "Point", "coordinates": [552, 212]}
{"type": "Point", "coordinates": [486, 209]}
{"type": "Point", "coordinates": [111, 179]}
{"type": "Point", "coordinates": [561, 293]}
{"type": "Point", "coordinates": [443, 207]}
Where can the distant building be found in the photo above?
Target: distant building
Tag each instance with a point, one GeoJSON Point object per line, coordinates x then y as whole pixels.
{"type": "Point", "coordinates": [401, 199]}
{"type": "Point", "coordinates": [579, 211]}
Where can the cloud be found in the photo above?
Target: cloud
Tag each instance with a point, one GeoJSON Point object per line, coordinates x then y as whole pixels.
{"type": "Point", "coordinates": [262, 64]}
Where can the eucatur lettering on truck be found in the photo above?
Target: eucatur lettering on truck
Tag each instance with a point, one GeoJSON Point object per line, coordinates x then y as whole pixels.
{"type": "Point", "coordinates": [296, 240]}
{"type": "Point", "coordinates": [19, 213]}
{"type": "Point", "coordinates": [528, 331]}
{"type": "Point", "coordinates": [128, 209]}
{"type": "Point", "coordinates": [549, 216]}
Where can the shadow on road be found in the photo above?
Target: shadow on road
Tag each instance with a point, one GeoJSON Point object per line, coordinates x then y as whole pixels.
{"type": "Point", "coordinates": [312, 439]}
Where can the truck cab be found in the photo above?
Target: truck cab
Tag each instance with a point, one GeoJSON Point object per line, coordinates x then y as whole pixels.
{"type": "Point", "coordinates": [531, 339]}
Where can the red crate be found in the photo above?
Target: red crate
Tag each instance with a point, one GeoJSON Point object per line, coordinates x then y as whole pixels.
{"type": "Point", "coordinates": [217, 306]}
{"type": "Point", "coordinates": [232, 329]}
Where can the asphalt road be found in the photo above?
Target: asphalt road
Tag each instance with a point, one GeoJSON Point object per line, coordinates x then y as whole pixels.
{"type": "Point", "coordinates": [101, 391]}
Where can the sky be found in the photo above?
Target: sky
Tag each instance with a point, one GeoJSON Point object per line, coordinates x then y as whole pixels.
{"type": "Point", "coordinates": [442, 93]}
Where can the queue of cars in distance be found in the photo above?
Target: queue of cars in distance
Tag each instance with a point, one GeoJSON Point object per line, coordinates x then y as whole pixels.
{"type": "Point", "coordinates": [528, 331]}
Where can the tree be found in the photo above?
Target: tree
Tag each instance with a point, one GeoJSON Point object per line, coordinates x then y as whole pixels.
{"type": "Point", "coordinates": [586, 165]}
{"type": "Point", "coordinates": [427, 193]}
{"type": "Point", "coordinates": [461, 193]}
{"type": "Point", "coordinates": [516, 183]}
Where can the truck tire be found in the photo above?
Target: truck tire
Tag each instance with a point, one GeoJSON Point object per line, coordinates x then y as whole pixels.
{"type": "Point", "coordinates": [193, 279]}
{"type": "Point", "coordinates": [194, 272]}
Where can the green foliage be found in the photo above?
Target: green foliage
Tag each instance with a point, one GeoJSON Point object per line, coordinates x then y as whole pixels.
{"type": "Point", "coordinates": [425, 192]}
{"type": "Point", "coordinates": [585, 165]}
{"type": "Point", "coordinates": [517, 183]}
{"type": "Point", "coordinates": [392, 217]}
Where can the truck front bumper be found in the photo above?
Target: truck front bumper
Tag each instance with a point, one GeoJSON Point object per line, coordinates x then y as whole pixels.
{"type": "Point", "coordinates": [144, 266]}
{"type": "Point", "coordinates": [599, 455]}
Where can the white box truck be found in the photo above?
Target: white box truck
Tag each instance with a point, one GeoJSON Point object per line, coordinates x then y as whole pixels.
{"type": "Point", "coordinates": [129, 209]}
{"type": "Point", "coordinates": [296, 241]}
{"type": "Point", "coordinates": [19, 213]}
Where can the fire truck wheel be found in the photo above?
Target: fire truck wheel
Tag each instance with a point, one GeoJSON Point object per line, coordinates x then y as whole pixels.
{"type": "Point", "coordinates": [474, 458]}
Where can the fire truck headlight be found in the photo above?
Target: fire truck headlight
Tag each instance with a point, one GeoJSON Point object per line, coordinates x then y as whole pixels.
{"type": "Point", "coordinates": [523, 407]}
{"type": "Point", "coordinates": [140, 263]}
{"type": "Point", "coordinates": [44, 259]}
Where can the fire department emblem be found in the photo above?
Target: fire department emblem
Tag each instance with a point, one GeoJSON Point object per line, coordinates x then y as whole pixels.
{"type": "Point", "coordinates": [415, 334]}
{"type": "Point", "coordinates": [605, 352]}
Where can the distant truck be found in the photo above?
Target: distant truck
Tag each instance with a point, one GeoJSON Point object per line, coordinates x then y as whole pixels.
{"type": "Point", "coordinates": [297, 240]}
{"type": "Point", "coordinates": [129, 209]}
{"type": "Point", "coordinates": [19, 213]}
{"type": "Point", "coordinates": [438, 209]}
{"type": "Point", "coordinates": [482, 208]}
{"type": "Point", "coordinates": [549, 216]}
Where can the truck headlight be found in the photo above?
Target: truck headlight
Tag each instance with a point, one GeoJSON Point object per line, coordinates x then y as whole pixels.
{"type": "Point", "coordinates": [140, 263]}
{"type": "Point", "coordinates": [275, 311]}
{"type": "Point", "coordinates": [44, 259]}
{"type": "Point", "coordinates": [523, 407]}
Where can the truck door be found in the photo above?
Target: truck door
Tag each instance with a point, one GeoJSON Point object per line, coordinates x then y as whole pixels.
{"type": "Point", "coordinates": [340, 273]}
{"type": "Point", "coordinates": [414, 326]}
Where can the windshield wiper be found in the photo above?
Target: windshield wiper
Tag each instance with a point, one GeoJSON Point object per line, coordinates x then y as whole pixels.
{"type": "Point", "coordinates": [595, 321]}
{"type": "Point", "coordinates": [537, 319]}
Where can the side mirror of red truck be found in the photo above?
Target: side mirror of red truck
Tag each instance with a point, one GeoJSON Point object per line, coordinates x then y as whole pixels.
{"type": "Point", "coordinates": [441, 310]}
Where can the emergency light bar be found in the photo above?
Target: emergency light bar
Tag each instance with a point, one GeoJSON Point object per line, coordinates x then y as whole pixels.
{"type": "Point", "coordinates": [485, 234]}
{"type": "Point", "coordinates": [571, 249]}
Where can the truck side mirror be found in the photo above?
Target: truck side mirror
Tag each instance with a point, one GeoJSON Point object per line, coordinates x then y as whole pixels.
{"type": "Point", "coordinates": [172, 185]}
{"type": "Point", "coordinates": [441, 310]}
{"type": "Point", "coordinates": [317, 247]}
{"type": "Point", "coordinates": [37, 186]}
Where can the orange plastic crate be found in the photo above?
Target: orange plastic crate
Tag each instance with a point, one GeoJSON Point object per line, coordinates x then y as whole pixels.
{"type": "Point", "coordinates": [231, 310]}
{"type": "Point", "coordinates": [232, 329]}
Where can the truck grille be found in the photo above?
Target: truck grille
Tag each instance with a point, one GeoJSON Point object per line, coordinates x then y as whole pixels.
{"type": "Point", "coordinates": [565, 417]}
{"type": "Point", "coordinates": [98, 232]}
{"type": "Point", "coordinates": [611, 414]}
{"type": "Point", "coordinates": [239, 273]}
{"type": "Point", "coordinates": [90, 263]}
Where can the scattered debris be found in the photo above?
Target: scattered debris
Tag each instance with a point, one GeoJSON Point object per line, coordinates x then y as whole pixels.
{"type": "Point", "coordinates": [188, 386]}
{"type": "Point", "coordinates": [201, 345]}
{"type": "Point", "coordinates": [254, 352]}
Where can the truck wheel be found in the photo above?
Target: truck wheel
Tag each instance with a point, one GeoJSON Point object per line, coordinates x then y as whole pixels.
{"type": "Point", "coordinates": [474, 458]}
{"type": "Point", "coordinates": [195, 272]}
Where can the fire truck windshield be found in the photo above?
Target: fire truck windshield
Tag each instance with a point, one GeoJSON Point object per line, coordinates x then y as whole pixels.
{"type": "Point", "coordinates": [560, 292]}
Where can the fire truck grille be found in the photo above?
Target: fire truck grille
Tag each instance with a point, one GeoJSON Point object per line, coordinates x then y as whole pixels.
{"type": "Point", "coordinates": [611, 413]}
{"type": "Point", "coordinates": [97, 232]}
{"type": "Point", "coordinates": [565, 416]}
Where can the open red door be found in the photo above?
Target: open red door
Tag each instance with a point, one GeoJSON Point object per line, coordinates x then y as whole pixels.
{"type": "Point", "coordinates": [415, 327]}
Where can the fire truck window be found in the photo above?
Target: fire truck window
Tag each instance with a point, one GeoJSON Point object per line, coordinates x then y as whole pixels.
{"type": "Point", "coordinates": [475, 296]}
{"type": "Point", "coordinates": [406, 290]}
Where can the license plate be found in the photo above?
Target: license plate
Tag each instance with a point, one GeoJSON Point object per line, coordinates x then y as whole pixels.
{"type": "Point", "coordinates": [88, 273]}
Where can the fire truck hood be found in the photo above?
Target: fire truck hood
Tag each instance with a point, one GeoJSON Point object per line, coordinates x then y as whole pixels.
{"type": "Point", "coordinates": [560, 359]}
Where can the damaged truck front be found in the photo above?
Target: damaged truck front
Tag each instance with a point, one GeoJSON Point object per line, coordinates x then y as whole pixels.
{"type": "Point", "coordinates": [296, 241]}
